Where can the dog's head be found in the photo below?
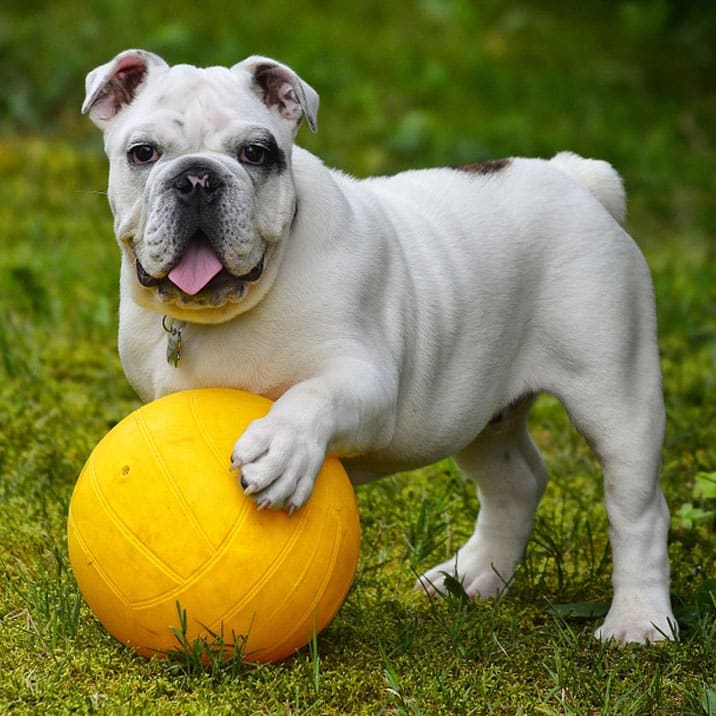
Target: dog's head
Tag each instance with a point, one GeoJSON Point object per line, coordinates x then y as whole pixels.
{"type": "Point", "coordinates": [200, 180]}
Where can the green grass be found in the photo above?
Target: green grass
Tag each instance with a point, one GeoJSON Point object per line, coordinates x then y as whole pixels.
{"type": "Point", "coordinates": [402, 85]}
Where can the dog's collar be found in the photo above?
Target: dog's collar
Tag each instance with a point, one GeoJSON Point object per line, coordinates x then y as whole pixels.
{"type": "Point", "coordinates": [173, 328]}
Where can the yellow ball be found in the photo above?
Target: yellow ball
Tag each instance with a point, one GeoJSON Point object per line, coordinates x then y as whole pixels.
{"type": "Point", "coordinates": [157, 519]}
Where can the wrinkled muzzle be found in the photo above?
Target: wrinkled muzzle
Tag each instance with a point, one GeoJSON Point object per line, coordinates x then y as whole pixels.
{"type": "Point", "coordinates": [199, 245]}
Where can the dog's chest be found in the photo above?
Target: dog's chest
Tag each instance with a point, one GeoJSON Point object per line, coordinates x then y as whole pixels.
{"type": "Point", "coordinates": [208, 356]}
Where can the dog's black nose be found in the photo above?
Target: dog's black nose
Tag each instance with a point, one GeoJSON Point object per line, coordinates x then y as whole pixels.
{"type": "Point", "coordinates": [196, 185]}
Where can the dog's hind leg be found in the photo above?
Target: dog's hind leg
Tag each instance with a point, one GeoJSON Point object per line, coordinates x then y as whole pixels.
{"type": "Point", "coordinates": [510, 478]}
{"type": "Point", "coordinates": [622, 417]}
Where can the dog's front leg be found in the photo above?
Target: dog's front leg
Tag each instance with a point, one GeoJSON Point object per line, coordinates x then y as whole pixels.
{"type": "Point", "coordinates": [346, 410]}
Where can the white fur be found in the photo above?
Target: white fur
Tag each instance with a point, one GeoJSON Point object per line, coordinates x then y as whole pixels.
{"type": "Point", "coordinates": [398, 316]}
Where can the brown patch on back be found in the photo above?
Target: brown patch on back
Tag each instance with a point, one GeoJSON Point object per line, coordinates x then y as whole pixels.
{"type": "Point", "coordinates": [491, 166]}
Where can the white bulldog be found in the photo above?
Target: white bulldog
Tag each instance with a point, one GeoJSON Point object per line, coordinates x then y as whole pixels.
{"type": "Point", "coordinates": [394, 321]}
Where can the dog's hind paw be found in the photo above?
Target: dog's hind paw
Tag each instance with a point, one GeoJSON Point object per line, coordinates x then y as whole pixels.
{"type": "Point", "coordinates": [477, 582]}
{"type": "Point", "coordinates": [635, 623]}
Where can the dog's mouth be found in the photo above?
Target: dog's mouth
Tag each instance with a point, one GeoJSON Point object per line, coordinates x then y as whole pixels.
{"type": "Point", "coordinates": [199, 278]}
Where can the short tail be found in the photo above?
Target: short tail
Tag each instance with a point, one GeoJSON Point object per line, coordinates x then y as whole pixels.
{"type": "Point", "coordinates": [599, 177]}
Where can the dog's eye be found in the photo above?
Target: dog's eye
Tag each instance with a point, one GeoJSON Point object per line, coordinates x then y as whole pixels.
{"type": "Point", "coordinates": [253, 154]}
{"type": "Point", "coordinates": [142, 154]}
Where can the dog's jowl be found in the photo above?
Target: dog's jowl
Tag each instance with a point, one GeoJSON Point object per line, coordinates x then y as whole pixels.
{"type": "Point", "coordinates": [396, 320]}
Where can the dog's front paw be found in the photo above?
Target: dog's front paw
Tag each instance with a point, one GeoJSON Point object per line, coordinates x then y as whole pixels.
{"type": "Point", "coordinates": [277, 464]}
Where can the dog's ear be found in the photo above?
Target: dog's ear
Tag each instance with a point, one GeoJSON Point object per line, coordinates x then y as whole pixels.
{"type": "Point", "coordinates": [114, 85]}
{"type": "Point", "coordinates": [281, 88]}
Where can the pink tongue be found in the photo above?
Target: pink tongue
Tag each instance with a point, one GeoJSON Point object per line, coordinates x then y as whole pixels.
{"type": "Point", "coordinates": [197, 267]}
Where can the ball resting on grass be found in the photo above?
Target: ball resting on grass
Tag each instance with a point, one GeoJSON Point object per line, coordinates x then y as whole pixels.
{"type": "Point", "coordinates": [158, 527]}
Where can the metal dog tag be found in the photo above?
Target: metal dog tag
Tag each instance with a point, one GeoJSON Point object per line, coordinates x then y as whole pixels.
{"type": "Point", "coordinates": [174, 339]}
